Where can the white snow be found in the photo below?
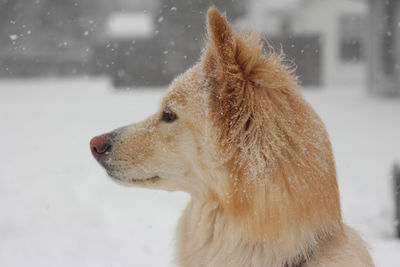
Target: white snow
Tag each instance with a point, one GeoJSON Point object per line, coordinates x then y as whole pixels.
{"type": "Point", "coordinates": [13, 37]}
{"type": "Point", "coordinates": [59, 208]}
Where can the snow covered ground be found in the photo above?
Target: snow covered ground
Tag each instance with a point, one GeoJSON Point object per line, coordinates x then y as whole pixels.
{"type": "Point", "coordinates": [58, 207]}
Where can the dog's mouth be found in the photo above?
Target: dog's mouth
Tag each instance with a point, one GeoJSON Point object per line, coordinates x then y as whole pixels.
{"type": "Point", "coordinates": [152, 179]}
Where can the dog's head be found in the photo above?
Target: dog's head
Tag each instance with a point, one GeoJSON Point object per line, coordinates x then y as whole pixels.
{"type": "Point", "coordinates": [235, 129]}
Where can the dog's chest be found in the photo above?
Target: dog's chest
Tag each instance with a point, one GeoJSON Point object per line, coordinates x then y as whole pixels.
{"type": "Point", "coordinates": [206, 238]}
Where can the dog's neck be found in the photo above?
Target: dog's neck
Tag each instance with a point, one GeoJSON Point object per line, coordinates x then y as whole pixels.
{"type": "Point", "coordinates": [206, 231]}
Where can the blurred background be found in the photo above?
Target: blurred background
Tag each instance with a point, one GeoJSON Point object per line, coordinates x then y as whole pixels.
{"type": "Point", "coordinates": [70, 70]}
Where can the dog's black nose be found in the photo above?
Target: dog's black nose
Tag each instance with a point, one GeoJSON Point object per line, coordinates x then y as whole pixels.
{"type": "Point", "coordinates": [100, 146]}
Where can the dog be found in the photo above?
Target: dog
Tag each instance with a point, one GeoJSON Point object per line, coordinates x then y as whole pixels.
{"type": "Point", "coordinates": [236, 134]}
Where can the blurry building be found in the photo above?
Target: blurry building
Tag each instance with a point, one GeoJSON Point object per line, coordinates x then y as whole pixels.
{"type": "Point", "coordinates": [182, 30]}
{"type": "Point", "coordinates": [127, 50]}
{"type": "Point", "coordinates": [174, 35]}
{"type": "Point", "coordinates": [137, 42]}
{"type": "Point", "coordinates": [325, 39]}
{"type": "Point", "coordinates": [48, 37]}
{"type": "Point", "coordinates": [384, 47]}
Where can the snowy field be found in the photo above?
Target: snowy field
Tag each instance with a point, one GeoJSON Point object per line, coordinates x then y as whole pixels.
{"type": "Point", "coordinates": [58, 207]}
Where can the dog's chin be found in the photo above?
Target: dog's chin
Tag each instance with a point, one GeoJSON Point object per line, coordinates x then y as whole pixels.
{"type": "Point", "coordinates": [127, 181]}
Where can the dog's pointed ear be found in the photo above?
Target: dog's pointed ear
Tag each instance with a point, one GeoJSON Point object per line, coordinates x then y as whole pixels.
{"type": "Point", "coordinates": [221, 36]}
{"type": "Point", "coordinates": [227, 52]}
{"type": "Point", "coordinates": [222, 44]}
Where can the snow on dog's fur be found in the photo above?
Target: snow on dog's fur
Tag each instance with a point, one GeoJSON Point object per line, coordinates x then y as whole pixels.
{"type": "Point", "coordinates": [236, 134]}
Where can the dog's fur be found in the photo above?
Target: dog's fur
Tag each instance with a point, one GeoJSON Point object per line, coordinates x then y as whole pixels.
{"type": "Point", "coordinates": [253, 155]}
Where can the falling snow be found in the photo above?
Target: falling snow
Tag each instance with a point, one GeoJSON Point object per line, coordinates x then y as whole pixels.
{"type": "Point", "coordinates": [13, 37]}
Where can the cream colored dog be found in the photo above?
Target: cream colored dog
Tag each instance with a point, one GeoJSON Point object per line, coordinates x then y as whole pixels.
{"type": "Point", "coordinates": [236, 134]}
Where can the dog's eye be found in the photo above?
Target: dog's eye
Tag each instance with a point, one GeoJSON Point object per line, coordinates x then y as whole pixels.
{"type": "Point", "coordinates": [168, 116]}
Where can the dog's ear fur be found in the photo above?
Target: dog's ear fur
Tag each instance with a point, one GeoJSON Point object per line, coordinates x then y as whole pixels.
{"type": "Point", "coordinates": [241, 77]}
{"type": "Point", "coordinates": [227, 53]}
{"type": "Point", "coordinates": [220, 34]}
{"type": "Point", "coordinates": [221, 48]}
{"type": "Point", "coordinates": [268, 137]}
